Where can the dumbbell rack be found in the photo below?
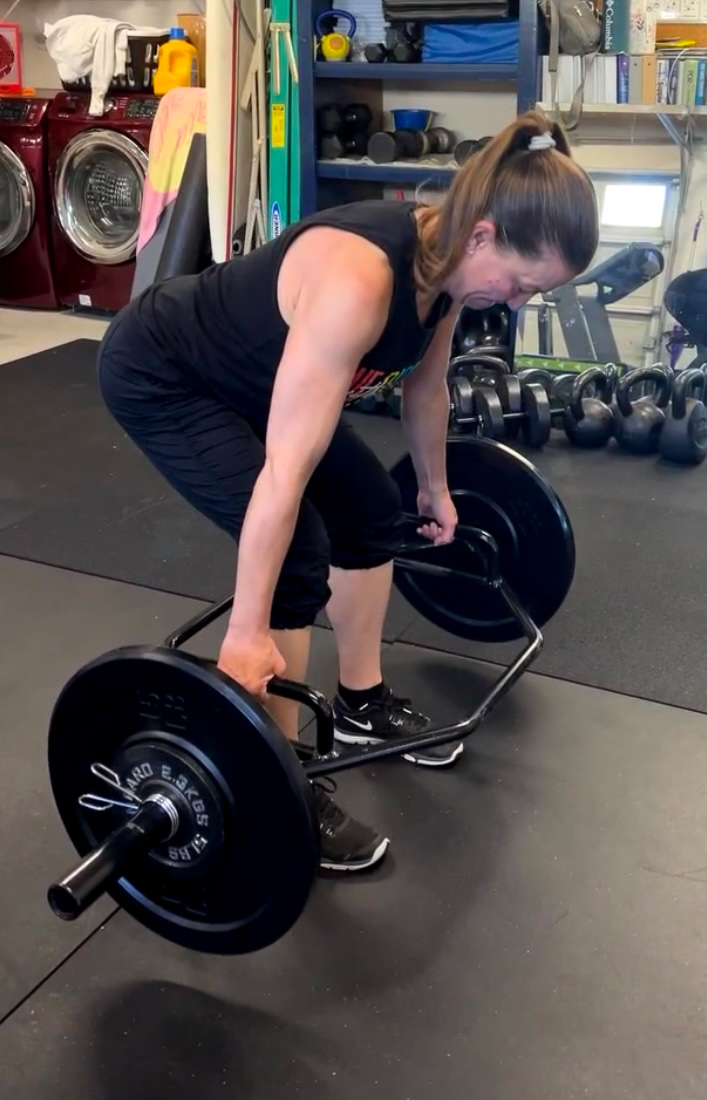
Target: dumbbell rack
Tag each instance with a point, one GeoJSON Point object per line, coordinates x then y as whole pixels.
{"type": "Point", "coordinates": [326, 183]}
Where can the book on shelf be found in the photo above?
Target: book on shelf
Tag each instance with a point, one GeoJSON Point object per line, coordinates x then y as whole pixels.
{"type": "Point", "coordinates": [668, 76]}
{"type": "Point", "coordinates": [629, 26]}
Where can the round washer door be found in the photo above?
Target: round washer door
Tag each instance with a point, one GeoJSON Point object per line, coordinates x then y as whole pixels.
{"type": "Point", "coordinates": [17, 201]}
{"type": "Point", "coordinates": [100, 178]}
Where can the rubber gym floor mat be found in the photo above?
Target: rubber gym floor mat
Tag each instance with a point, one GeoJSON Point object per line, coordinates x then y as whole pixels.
{"type": "Point", "coordinates": [61, 620]}
{"type": "Point", "coordinates": [533, 932]}
{"type": "Point", "coordinates": [75, 492]}
{"type": "Point", "coordinates": [55, 621]}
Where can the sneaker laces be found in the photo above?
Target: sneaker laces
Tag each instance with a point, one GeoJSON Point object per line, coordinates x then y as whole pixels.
{"type": "Point", "coordinates": [393, 702]}
{"type": "Point", "coordinates": [330, 816]}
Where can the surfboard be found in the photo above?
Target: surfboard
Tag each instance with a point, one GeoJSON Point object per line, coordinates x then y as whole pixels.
{"type": "Point", "coordinates": [222, 118]}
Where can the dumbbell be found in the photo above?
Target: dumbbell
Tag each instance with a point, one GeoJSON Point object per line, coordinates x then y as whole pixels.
{"type": "Point", "coordinates": [402, 46]}
{"type": "Point", "coordinates": [402, 53]}
{"type": "Point", "coordinates": [524, 405]}
{"type": "Point", "coordinates": [342, 130]}
{"type": "Point", "coordinates": [483, 390]}
{"type": "Point", "coordinates": [354, 118]}
{"type": "Point", "coordinates": [357, 117]}
{"type": "Point", "coordinates": [332, 146]}
{"type": "Point", "coordinates": [684, 435]}
{"type": "Point", "coordinates": [376, 53]}
{"type": "Point", "coordinates": [384, 147]}
{"type": "Point", "coordinates": [398, 48]}
{"type": "Point", "coordinates": [557, 387]}
{"type": "Point", "coordinates": [638, 424]}
{"type": "Point", "coordinates": [588, 421]}
{"type": "Point", "coordinates": [466, 148]}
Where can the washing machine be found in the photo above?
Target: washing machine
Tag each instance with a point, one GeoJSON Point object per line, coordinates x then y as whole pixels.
{"type": "Point", "coordinates": [97, 171]}
{"type": "Point", "coordinates": [26, 278]}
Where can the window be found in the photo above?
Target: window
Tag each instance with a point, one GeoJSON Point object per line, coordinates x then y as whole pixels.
{"type": "Point", "coordinates": [634, 205]}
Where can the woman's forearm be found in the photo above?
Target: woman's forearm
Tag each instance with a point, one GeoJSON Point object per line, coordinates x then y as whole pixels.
{"type": "Point", "coordinates": [267, 532]}
{"type": "Point", "coordinates": [425, 419]}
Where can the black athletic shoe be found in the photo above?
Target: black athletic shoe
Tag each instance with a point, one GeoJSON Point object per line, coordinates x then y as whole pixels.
{"type": "Point", "coordinates": [388, 718]}
{"type": "Point", "coordinates": [346, 845]}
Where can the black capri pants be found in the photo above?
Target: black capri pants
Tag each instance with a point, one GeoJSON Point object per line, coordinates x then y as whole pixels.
{"type": "Point", "coordinates": [206, 438]}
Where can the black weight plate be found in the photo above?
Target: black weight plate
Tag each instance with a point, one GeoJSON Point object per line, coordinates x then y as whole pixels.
{"type": "Point", "coordinates": [155, 765]}
{"type": "Point", "coordinates": [537, 424]}
{"type": "Point", "coordinates": [487, 406]}
{"type": "Point", "coordinates": [504, 494]}
{"type": "Point", "coordinates": [508, 389]}
{"type": "Point", "coordinates": [267, 838]}
{"type": "Point", "coordinates": [462, 397]}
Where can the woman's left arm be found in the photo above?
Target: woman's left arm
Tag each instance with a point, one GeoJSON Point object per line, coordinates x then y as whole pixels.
{"type": "Point", "coordinates": [425, 420]}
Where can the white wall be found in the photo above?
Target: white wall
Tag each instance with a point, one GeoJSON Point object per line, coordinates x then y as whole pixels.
{"type": "Point", "coordinates": [38, 69]}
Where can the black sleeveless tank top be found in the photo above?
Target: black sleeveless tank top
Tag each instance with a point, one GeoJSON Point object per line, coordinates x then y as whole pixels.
{"type": "Point", "coordinates": [227, 317]}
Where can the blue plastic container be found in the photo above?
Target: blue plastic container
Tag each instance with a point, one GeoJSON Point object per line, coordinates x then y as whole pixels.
{"type": "Point", "coordinates": [411, 119]}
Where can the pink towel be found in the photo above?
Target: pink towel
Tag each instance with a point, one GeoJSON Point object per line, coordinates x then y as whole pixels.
{"type": "Point", "coordinates": [181, 114]}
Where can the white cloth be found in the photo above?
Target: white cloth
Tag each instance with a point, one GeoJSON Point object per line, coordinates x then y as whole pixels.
{"type": "Point", "coordinates": [85, 45]}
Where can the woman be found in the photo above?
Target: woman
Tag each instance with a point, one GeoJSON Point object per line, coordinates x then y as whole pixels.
{"type": "Point", "coordinates": [232, 383]}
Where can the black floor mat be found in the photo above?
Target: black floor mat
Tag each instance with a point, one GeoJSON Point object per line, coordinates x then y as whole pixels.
{"type": "Point", "coordinates": [535, 933]}
{"type": "Point", "coordinates": [74, 492]}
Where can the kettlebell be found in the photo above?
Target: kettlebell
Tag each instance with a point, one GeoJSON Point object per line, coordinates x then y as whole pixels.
{"type": "Point", "coordinates": [588, 421]}
{"type": "Point", "coordinates": [333, 45]}
{"type": "Point", "coordinates": [638, 424]}
{"type": "Point", "coordinates": [562, 387]}
{"type": "Point", "coordinates": [478, 367]}
{"type": "Point", "coordinates": [684, 435]}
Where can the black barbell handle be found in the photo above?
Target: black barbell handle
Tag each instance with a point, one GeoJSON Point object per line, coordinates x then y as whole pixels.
{"type": "Point", "coordinates": [555, 414]}
{"type": "Point", "coordinates": [73, 895]}
{"type": "Point", "coordinates": [315, 701]}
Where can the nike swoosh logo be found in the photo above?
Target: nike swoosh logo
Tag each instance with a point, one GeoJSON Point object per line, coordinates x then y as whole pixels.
{"type": "Point", "coordinates": [361, 725]}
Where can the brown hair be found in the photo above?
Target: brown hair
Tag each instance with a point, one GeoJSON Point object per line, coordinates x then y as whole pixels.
{"type": "Point", "coordinates": [537, 199]}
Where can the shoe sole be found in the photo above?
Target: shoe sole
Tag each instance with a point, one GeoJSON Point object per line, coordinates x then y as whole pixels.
{"type": "Point", "coordinates": [353, 867]}
{"type": "Point", "coordinates": [423, 762]}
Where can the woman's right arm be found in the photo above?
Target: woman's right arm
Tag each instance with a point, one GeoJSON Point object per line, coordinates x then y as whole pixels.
{"type": "Point", "coordinates": [339, 316]}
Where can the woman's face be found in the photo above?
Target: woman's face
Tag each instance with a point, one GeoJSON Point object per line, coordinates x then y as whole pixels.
{"type": "Point", "coordinates": [487, 276]}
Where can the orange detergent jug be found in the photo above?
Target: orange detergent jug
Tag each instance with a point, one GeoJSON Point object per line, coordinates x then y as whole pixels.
{"type": "Point", "coordinates": [177, 63]}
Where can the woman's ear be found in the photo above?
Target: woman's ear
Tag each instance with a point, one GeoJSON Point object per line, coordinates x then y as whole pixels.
{"type": "Point", "coordinates": [483, 234]}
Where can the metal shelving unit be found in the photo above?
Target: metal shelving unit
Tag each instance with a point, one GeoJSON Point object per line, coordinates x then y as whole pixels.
{"type": "Point", "coordinates": [314, 76]}
{"type": "Point", "coordinates": [395, 73]}
{"type": "Point", "coordinates": [401, 172]}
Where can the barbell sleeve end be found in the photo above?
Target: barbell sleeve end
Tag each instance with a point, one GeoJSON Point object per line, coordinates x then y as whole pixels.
{"type": "Point", "coordinates": [77, 891]}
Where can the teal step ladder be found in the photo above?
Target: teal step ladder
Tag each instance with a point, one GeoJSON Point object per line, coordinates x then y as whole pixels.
{"type": "Point", "coordinates": [283, 126]}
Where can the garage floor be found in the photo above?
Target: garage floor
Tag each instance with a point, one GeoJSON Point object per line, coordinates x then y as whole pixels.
{"type": "Point", "coordinates": [537, 933]}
